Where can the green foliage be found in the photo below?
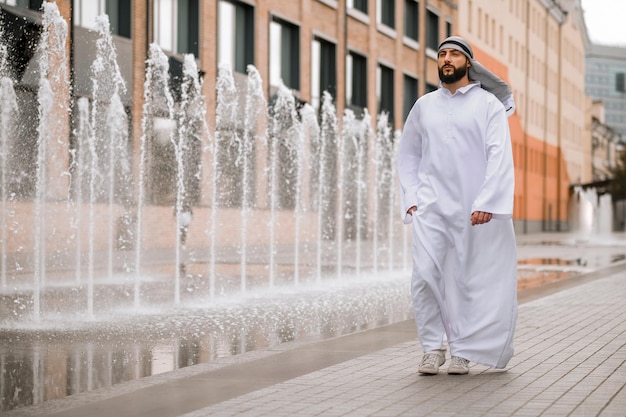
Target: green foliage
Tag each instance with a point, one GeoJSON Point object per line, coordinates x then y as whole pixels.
{"type": "Point", "coordinates": [617, 188]}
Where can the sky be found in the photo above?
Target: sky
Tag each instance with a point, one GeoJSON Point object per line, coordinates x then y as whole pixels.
{"type": "Point", "coordinates": [605, 20]}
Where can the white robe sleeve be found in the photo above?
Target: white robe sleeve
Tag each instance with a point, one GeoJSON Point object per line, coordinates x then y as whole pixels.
{"type": "Point", "coordinates": [497, 191]}
{"type": "Point", "coordinates": [409, 158]}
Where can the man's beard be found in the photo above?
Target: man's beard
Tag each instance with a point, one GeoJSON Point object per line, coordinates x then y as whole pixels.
{"type": "Point", "coordinates": [454, 77]}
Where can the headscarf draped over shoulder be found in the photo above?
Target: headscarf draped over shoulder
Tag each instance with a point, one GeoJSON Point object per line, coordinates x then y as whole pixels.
{"type": "Point", "coordinates": [478, 72]}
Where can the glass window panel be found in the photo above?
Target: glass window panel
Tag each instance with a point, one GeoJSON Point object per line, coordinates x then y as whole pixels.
{"type": "Point", "coordinates": [187, 27]}
{"type": "Point", "coordinates": [356, 88]}
{"type": "Point", "coordinates": [432, 30]}
{"type": "Point", "coordinates": [349, 78]}
{"type": "Point", "coordinates": [386, 91]}
{"type": "Point", "coordinates": [431, 87]}
{"type": "Point", "coordinates": [236, 35]}
{"type": "Point", "coordinates": [164, 31]}
{"type": "Point", "coordinates": [275, 47]}
{"type": "Point", "coordinates": [360, 5]}
{"type": "Point", "coordinates": [119, 12]}
{"type": "Point", "coordinates": [29, 4]}
{"type": "Point", "coordinates": [411, 19]}
{"type": "Point", "coordinates": [620, 82]}
{"type": "Point", "coordinates": [284, 54]}
{"type": "Point", "coordinates": [88, 11]}
{"type": "Point", "coordinates": [323, 70]}
{"type": "Point", "coordinates": [315, 73]}
{"type": "Point", "coordinates": [226, 38]}
{"type": "Point", "coordinates": [387, 12]}
{"type": "Point", "coordinates": [410, 93]}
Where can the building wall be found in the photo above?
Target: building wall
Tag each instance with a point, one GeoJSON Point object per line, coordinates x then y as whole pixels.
{"type": "Point", "coordinates": [523, 40]}
{"type": "Point", "coordinates": [532, 44]}
{"type": "Point", "coordinates": [329, 19]}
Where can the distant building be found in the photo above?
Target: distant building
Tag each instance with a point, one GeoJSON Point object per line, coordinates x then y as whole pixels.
{"type": "Point", "coordinates": [605, 79]}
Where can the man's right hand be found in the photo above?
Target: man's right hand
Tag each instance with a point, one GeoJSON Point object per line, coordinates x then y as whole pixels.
{"type": "Point", "coordinates": [411, 210]}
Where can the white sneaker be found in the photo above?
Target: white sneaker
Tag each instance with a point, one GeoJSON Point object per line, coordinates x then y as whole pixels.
{"type": "Point", "coordinates": [459, 366]}
{"type": "Point", "coordinates": [431, 361]}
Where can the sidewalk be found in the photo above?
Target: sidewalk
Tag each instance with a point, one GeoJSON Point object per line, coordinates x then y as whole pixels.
{"type": "Point", "coordinates": [570, 361]}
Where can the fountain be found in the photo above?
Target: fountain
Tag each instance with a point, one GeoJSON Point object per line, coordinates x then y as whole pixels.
{"type": "Point", "coordinates": [9, 106]}
{"type": "Point", "coordinates": [270, 223]}
{"type": "Point", "coordinates": [591, 215]}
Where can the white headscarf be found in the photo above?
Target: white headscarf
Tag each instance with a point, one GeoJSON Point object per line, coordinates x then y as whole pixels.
{"type": "Point", "coordinates": [477, 72]}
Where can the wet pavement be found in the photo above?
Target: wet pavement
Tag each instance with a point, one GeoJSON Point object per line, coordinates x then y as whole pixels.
{"type": "Point", "coordinates": [570, 360]}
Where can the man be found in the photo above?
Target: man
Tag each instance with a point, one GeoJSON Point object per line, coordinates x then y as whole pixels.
{"type": "Point", "coordinates": [455, 167]}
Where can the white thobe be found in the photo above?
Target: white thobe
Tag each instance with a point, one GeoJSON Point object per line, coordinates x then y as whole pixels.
{"type": "Point", "coordinates": [455, 158]}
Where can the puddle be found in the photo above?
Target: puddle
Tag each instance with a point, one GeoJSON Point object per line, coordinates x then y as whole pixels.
{"type": "Point", "coordinates": [43, 362]}
{"type": "Point", "coordinates": [553, 261]}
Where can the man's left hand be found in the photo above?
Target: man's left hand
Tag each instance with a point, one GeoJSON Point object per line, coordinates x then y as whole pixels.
{"type": "Point", "coordinates": [480, 217]}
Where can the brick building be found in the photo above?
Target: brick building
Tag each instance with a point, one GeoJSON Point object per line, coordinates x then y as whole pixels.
{"type": "Point", "coordinates": [378, 55]}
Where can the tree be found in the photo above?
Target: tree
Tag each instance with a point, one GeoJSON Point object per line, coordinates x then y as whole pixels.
{"type": "Point", "coordinates": [617, 187]}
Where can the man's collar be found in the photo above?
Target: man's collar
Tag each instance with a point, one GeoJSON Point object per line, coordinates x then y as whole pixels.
{"type": "Point", "coordinates": [463, 89]}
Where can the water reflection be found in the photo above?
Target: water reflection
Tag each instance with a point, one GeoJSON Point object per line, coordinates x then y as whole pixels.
{"type": "Point", "coordinates": [42, 364]}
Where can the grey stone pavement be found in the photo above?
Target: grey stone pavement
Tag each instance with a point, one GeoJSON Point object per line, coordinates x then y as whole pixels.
{"type": "Point", "coordinates": [570, 360]}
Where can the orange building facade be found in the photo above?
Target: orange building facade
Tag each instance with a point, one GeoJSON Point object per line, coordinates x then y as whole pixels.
{"type": "Point", "coordinates": [538, 47]}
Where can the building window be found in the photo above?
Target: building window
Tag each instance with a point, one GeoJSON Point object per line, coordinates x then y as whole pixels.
{"type": "Point", "coordinates": [176, 25]}
{"type": "Point", "coordinates": [29, 4]}
{"type": "Point", "coordinates": [236, 35]}
{"type": "Point", "coordinates": [119, 12]}
{"type": "Point", "coordinates": [360, 5]}
{"type": "Point", "coordinates": [620, 84]}
{"type": "Point", "coordinates": [86, 12]}
{"type": "Point", "coordinates": [384, 84]}
{"type": "Point", "coordinates": [448, 30]}
{"type": "Point", "coordinates": [409, 94]}
{"type": "Point", "coordinates": [386, 13]}
{"type": "Point", "coordinates": [431, 87]}
{"type": "Point", "coordinates": [356, 81]}
{"type": "Point", "coordinates": [284, 54]}
{"type": "Point", "coordinates": [411, 19]}
{"type": "Point", "coordinates": [432, 30]}
{"type": "Point", "coordinates": [323, 70]}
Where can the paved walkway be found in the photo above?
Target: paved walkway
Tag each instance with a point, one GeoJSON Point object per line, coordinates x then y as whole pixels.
{"type": "Point", "coordinates": [570, 361]}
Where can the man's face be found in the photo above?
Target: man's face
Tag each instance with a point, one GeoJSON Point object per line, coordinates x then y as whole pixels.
{"type": "Point", "coordinates": [452, 65]}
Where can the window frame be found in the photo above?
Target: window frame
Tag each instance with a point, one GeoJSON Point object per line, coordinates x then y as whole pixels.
{"type": "Point", "coordinates": [328, 49]}
{"type": "Point", "coordinates": [407, 19]}
{"type": "Point", "coordinates": [385, 90]}
{"type": "Point", "coordinates": [386, 13]}
{"type": "Point", "coordinates": [360, 5]}
{"type": "Point", "coordinates": [241, 51]}
{"type": "Point", "coordinates": [432, 35]}
{"type": "Point", "coordinates": [408, 97]}
{"type": "Point", "coordinates": [351, 82]}
{"type": "Point", "coordinates": [174, 42]}
{"type": "Point", "coordinates": [289, 46]}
